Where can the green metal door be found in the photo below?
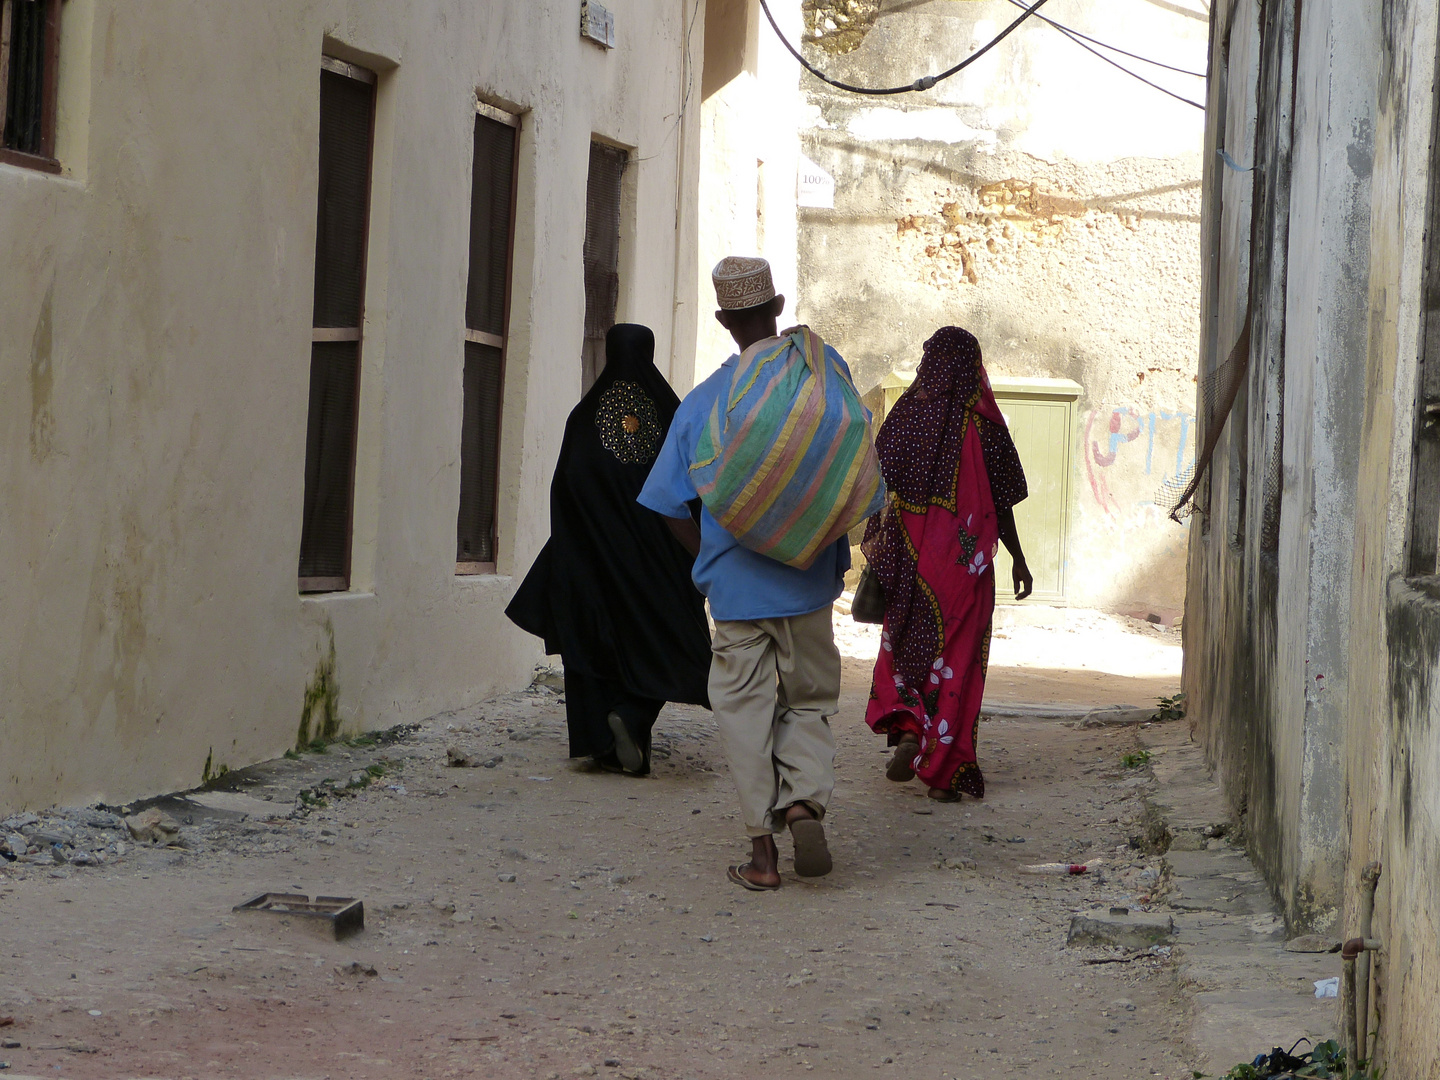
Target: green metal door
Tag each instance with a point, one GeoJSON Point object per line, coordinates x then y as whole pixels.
{"type": "Point", "coordinates": [1041, 417]}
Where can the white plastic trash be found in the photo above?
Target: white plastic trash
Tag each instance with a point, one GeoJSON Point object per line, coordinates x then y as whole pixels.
{"type": "Point", "coordinates": [1327, 988]}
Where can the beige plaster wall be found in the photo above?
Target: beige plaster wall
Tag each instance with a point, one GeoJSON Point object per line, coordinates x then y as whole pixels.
{"type": "Point", "coordinates": [1311, 668]}
{"type": "Point", "coordinates": [154, 366]}
{"type": "Point", "coordinates": [749, 147]}
{"type": "Point", "coordinates": [1048, 203]}
{"type": "Point", "coordinates": [1392, 743]}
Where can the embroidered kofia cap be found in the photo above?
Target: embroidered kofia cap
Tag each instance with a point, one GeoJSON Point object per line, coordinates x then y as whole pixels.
{"type": "Point", "coordinates": [742, 282]}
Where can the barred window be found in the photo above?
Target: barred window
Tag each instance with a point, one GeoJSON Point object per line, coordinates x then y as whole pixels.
{"type": "Point", "coordinates": [1422, 556]}
{"type": "Point", "coordinates": [29, 70]}
{"type": "Point", "coordinates": [487, 311]}
{"type": "Point", "coordinates": [601, 255]}
{"type": "Point", "coordinates": [347, 111]}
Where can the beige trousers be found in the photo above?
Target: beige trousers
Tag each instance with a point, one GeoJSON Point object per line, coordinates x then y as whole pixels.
{"type": "Point", "coordinates": [773, 685]}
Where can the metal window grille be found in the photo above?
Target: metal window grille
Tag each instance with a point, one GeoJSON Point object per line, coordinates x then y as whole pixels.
{"type": "Point", "coordinates": [29, 51]}
{"type": "Point", "coordinates": [329, 464]}
{"type": "Point", "coordinates": [347, 110]}
{"type": "Point", "coordinates": [602, 254]}
{"type": "Point", "coordinates": [492, 222]}
{"type": "Point", "coordinates": [1423, 555]}
{"type": "Point", "coordinates": [1274, 460]}
{"type": "Point", "coordinates": [479, 445]}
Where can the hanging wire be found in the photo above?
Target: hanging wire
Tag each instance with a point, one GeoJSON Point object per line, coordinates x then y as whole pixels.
{"type": "Point", "coordinates": [1116, 48]}
{"type": "Point", "coordinates": [689, 86]}
{"type": "Point", "coordinates": [925, 82]}
{"type": "Point", "coordinates": [1075, 36]}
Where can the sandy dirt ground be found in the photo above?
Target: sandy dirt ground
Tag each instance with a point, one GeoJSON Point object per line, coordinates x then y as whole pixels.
{"type": "Point", "coordinates": [529, 918]}
{"type": "Point", "coordinates": [1072, 658]}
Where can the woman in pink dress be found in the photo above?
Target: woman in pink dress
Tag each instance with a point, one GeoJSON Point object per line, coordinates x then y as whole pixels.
{"type": "Point", "coordinates": [954, 477]}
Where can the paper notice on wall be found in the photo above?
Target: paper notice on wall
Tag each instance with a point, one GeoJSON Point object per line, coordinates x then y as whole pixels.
{"type": "Point", "coordinates": [814, 186]}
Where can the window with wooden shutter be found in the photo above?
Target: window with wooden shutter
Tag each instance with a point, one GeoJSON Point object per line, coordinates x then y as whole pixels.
{"type": "Point", "coordinates": [347, 112]}
{"type": "Point", "coordinates": [487, 312]}
{"type": "Point", "coordinates": [29, 70]}
{"type": "Point", "coordinates": [602, 254]}
{"type": "Point", "coordinates": [1422, 556]}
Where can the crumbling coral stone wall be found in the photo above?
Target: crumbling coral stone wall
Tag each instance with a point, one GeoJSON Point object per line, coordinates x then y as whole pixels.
{"type": "Point", "coordinates": [1050, 204]}
{"type": "Point", "coordinates": [1062, 270]}
{"type": "Point", "coordinates": [839, 26]}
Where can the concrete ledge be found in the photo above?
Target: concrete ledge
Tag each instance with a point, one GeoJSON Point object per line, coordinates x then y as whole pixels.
{"type": "Point", "coordinates": [1127, 929]}
{"type": "Point", "coordinates": [1250, 994]}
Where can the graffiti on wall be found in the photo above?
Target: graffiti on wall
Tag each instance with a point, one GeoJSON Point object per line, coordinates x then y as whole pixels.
{"type": "Point", "coordinates": [1117, 434]}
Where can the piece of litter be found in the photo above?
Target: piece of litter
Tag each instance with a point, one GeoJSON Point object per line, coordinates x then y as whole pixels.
{"type": "Point", "coordinates": [1328, 988]}
{"type": "Point", "coordinates": [542, 779]}
{"type": "Point", "coordinates": [507, 878]}
{"type": "Point", "coordinates": [1060, 867]}
{"type": "Point", "coordinates": [331, 916]}
{"type": "Point", "coordinates": [95, 1012]}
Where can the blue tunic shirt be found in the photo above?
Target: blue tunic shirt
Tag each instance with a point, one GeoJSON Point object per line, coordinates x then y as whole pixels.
{"type": "Point", "coordinates": [740, 584]}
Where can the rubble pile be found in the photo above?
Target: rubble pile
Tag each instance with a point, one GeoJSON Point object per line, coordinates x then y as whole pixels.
{"type": "Point", "coordinates": [64, 837]}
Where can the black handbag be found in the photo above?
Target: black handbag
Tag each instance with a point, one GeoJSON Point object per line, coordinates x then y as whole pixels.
{"type": "Point", "coordinates": [868, 606]}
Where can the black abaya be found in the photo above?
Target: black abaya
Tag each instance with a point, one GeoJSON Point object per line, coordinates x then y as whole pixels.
{"type": "Point", "coordinates": [611, 590]}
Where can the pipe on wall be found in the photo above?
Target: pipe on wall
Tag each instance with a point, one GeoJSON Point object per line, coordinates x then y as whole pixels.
{"type": "Point", "coordinates": [1369, 879]}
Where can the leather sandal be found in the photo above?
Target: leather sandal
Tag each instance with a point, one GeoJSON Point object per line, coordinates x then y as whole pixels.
{"type": "Point", "coordinates": [902, 762]}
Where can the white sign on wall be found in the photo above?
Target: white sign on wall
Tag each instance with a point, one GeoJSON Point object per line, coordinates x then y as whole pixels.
{"type": "Point", "coordinates": [597, 24]}
{"type": "Point", "coordinates": [814, 186]}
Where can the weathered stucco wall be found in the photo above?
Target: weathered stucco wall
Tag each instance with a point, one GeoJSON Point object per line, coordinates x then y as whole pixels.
{"type": "Point", "coordinates": [154, 366]}
{"type": "Point", "coordinates": [1048, 203]}
{"type": "Point", "coordinates": [748, 151]}
{"type": "Point", "coordinates": [1268, 619]}
{"type": "Point", "coordinates": [1310, 656]}
{"type": "Point", "coordinates": [1392, 741]}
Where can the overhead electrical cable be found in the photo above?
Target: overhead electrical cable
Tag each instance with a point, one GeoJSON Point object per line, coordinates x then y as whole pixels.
{"type": "Point", "coordinates": [1116, 48]}
{"type": "Point", "coordinates": [925, 82]}
{"type": "Point", "coordinates": [1072, 36]}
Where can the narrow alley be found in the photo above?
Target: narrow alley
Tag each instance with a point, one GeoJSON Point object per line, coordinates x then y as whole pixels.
{"type": "Point", "coordinates": [528, 919]}
{"type": "Point", "coordinates": [403, 404]}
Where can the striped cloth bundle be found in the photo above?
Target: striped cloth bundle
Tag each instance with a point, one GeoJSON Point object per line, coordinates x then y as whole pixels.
{"type": "Point", "coordinates": [786, 463]}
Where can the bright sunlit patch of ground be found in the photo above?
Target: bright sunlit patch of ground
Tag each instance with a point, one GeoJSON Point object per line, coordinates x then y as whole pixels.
{"type": "Point", "coordinates": [1054, 639]}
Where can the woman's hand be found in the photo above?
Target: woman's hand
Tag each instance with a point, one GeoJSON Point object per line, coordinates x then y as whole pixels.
{"type": "Point", "coordinates": [1024, 583]}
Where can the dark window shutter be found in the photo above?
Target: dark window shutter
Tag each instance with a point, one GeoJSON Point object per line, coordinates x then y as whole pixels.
{"type": "Point", "coordinates": [602, 253]}
{"type": "Point", "coordinates": [25, 94]}
{"type": "Point", "coordinates": [492, 211]}
{"type": "Point", "coordinates": [329, 463]}
{"type": "Point", "coordinates": [346, 112]}
{"type": "Point", "coordinates": [479, 453]}
{"type": "Point", "coordinates": [490, 196]}
{"type": "Point", "coordinates": [346, 108]}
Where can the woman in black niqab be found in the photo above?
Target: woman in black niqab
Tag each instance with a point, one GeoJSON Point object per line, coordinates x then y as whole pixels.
{"type": "Point", "coordinates": [611, 590]}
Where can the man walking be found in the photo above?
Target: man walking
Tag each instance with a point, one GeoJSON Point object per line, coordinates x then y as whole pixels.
{"type": "Point", "coordinates": [775, 671]}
